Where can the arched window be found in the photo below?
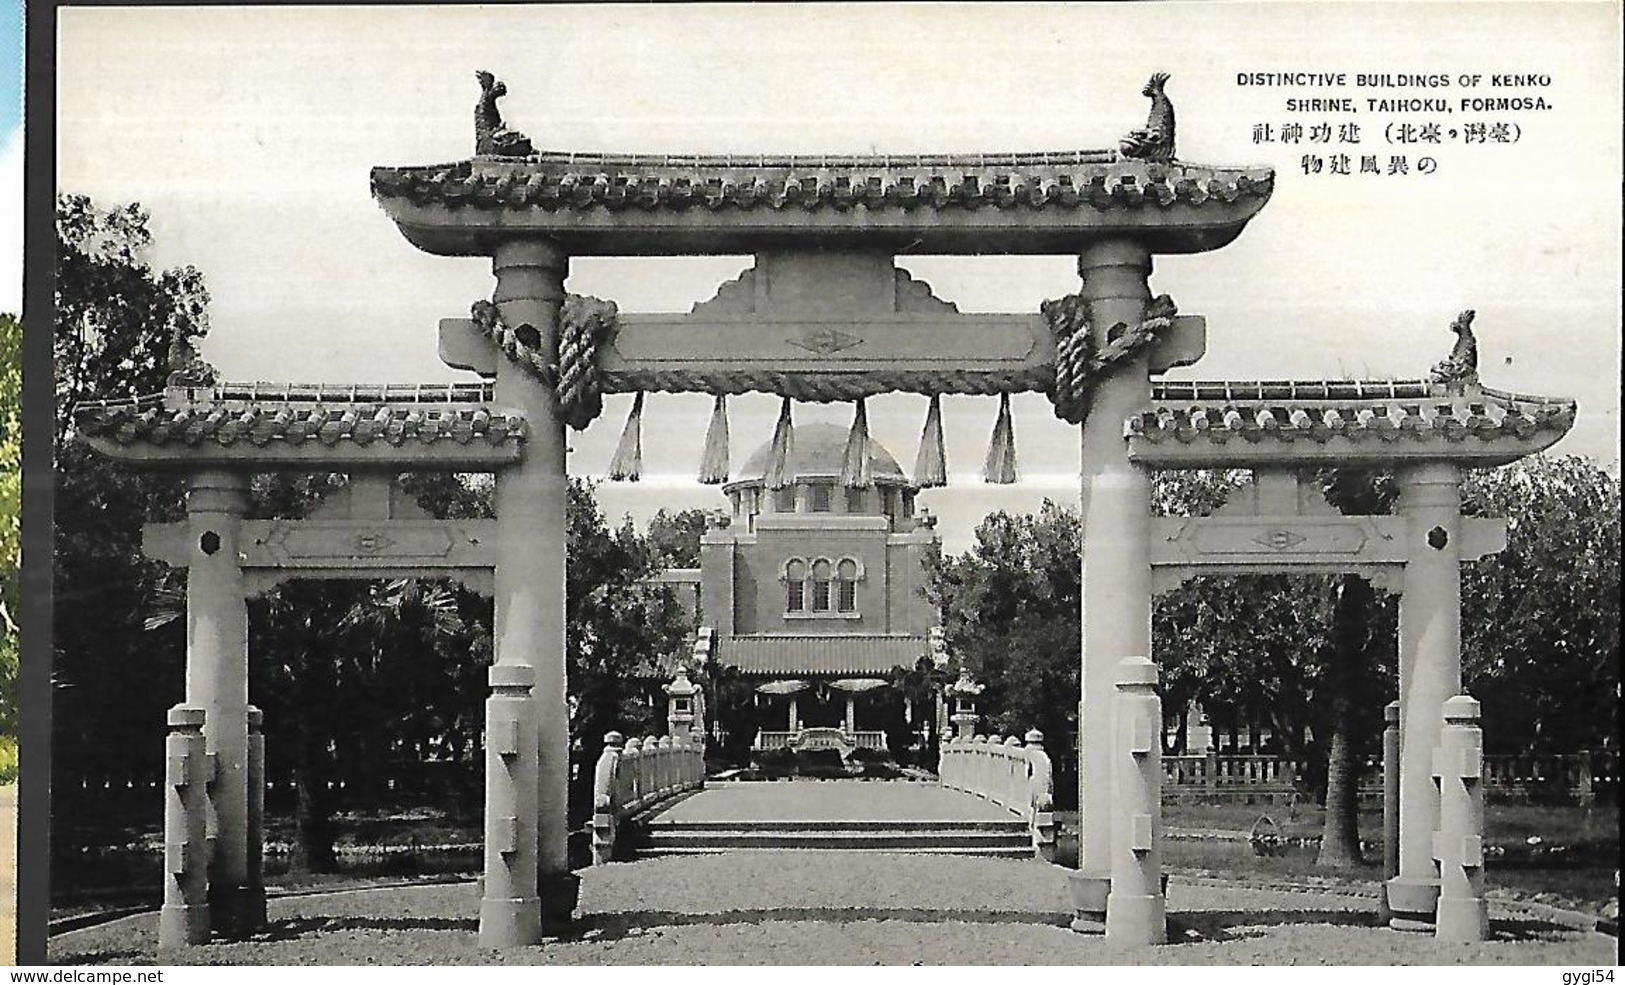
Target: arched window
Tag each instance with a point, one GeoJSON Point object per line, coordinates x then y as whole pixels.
{"type": "Point", "coordinates": [846, 586]}
{"type": "Point", "coordinates": [795, 585]}
{"type": "Point", "coordinates": [821, 572]}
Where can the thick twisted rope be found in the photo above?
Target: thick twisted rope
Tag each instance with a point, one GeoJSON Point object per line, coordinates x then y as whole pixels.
{"type": "Point", "coordinates": [829, 387]}
{"type": "Point", "coordinates": [1078, 363]}
{"type": "Point", "coordinates": [585, 324]}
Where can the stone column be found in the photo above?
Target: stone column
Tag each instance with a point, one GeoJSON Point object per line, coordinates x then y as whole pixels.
{"type": "Point", "coordinates": [851, 715]}
{"type": "Point", "coordinates": [1390, 801]}
{"type": "Point", "coordinates": [184, 918]}
{"type": "Point", "coordinates": [794, 722]}
{"type": "Point", "coordinates": [1135, 910]}
{"type": "Point", "coordinates": [1463, 913]}
{"type": "Point", "coordinates": [217, 682]}
{"type": "Point", "coordinates": [530, 504]}
{"type": "Point", "coordinates": [510, 912]}
{"type": "Point", "coordinates": [1429, 673]}
{"type": "Point", "coordinates": [1115, 499]}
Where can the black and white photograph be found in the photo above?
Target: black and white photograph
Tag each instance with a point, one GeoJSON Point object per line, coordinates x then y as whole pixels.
{"type": "Point", "coordinates": [829, 484]}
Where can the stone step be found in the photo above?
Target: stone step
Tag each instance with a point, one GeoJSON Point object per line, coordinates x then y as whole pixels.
{"type": "Point", "coordinates": [1013, 825]}
{"type": "Point", "coordinates": [1023, 851]}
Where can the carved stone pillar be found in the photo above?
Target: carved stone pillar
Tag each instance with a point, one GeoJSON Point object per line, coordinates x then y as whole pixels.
{"type": "Point", "coordinates": [1429, 674]}
{"type": "Point", "coordinates": [510, 912]}
{"type": "Point", "coordinates": [529, 579]}
{"type": "Point", "coordinates": [1115, 497]}
{"type": "Point", "coordinates": [217, 682]}
{"type": "Point", "coordinates": [1135, 909]}
{"type": "Point", "coordinates": [184, 918]}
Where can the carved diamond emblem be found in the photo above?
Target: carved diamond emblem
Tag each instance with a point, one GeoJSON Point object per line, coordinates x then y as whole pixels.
{"type": "Point", "coordinates": [1280, 538]}
{"type": "Point", "coordinates": [371, 542]}
{"type": "Point", "coordinates": [825, 342]}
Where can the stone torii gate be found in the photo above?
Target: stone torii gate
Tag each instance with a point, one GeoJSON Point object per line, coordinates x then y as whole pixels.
{"type": "Point", "coordinates": [825, 315]}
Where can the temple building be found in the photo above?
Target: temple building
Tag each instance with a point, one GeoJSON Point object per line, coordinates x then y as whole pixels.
{"type": "Point", "coordinates": [815, 593]}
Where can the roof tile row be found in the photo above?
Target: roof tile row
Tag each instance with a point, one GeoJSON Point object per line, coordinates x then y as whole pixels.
{"type": "Point", "coordinates": [1370, 410]}
{"type": "Point", "coordinates": [1070, 180]}
{"type": "Point", "coordinates": [262, 413]}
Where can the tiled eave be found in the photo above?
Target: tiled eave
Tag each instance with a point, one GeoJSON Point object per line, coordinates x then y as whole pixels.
{"type": "Point", "coordinates": [819, 656]}
{"type": "Point", "coordinates": [621, 204]}
{"type": "Point", "coordinates": [307, 426]}
{"type": "Point", "coordinates": [1252, 424]}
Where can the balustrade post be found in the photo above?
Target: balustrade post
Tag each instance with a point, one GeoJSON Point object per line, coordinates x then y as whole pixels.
{"type": "Point", "coordinates": [632, 761]}
{"type": "Point", "coordinates": [1135, 909]}
{"type": "Point", "coordinates": [1458, 846]}
{"type": "Point", "coordinates": [184, 918]}
{"type": "Point", "coordinates": [604, 784]}
{"type": "Point", "coordinates": [1041, 796]}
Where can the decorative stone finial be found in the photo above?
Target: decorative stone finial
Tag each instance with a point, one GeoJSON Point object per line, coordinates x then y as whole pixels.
{"type": "Point", "coordinates": [1156, 142]}
{"type": "Point", "coordinates": [186, 367]}
{"type": "Point", "coordinates": [492, 138]}
{"type": "Point", "coordinates": [1459, 370]}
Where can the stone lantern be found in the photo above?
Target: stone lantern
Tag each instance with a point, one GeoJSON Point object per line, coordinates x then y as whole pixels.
{"type": "Point", "coordinates": [964, 692]}
{"type": "Point", "coordinates": [682, 696]}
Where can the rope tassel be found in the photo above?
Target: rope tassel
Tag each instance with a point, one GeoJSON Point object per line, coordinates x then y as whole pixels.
{"type": "Point", "coordinates": [931, 464]}
{"type": "Point", "coordinates": [778, 469]}
{"type": "Point", "coordinates": [627, 465]}
{"type": "Point", "coordinates": [714, 459]}
{"type": "Point", "coordinates": [855, 470]}
{"type": "Point", "coordinates": [1000, 467]}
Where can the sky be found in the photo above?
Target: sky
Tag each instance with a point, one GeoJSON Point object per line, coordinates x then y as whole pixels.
{"type": "Point", "coordinates": [249, 133]}
{"type": "Point", "coordinates": [11, 155]}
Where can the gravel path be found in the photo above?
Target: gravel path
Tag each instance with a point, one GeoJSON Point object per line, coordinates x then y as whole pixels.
{"type": "Point", "coordinates": [822, 908]}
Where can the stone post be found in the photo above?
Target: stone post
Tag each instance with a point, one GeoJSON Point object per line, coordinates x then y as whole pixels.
{"type": "Point", "coordinates": [1390, 802]}
{"type": "Point", "coordinates": [1135, 910]}
{"type": "Point", "coordinates": [1463, 913]}
{"type": "Point", "coordinates": [794, 722]}
{"type": "Point", "coordinates": [184, 918]}
{"type": "Point", "coordinates": [851, 715]}
{"type": "Point", "coordinates": [1041, 795]}
{"type": "Point", "coordinates": [604, 788]}
{"type": "Point", "coordinates": [1429, 673]}
{"type": "Point", "coordinates": [510, 913]}
{"type": "Point", "coordinates": [530, 503]}
{"type": "Point", "coordinates": [217, 681]}
{"type": "Point", "coordinates": [1115, 499]}
{"type": "Point", "coordinates": [254, 898]}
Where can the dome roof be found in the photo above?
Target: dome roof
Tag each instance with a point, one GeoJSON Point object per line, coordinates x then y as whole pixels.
{"type": "Point", "coordinates": [816, 452]}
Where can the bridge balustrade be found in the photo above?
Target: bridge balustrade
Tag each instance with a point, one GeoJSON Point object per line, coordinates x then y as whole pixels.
{"type": "Point", "coordinates": [1013, 774]}
{"type": "Point", "coordinates": [634, 775]}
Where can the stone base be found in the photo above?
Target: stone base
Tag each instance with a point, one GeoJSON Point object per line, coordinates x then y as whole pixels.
{"type": "Point", "coordinates": [1088, 892]}
{"type": "Point", "coordinates": [1463, 921]}
{"type": "Point", "coordinates": [559, 893]}
{"type": "Point", "coordinates": [510, 922]}
{"type": "Point", "coordinates": [237, 911]}
{"type": "Point", "coordinates": [180, 925]}
{"type": "Point", "coordinates": [1136, 920]}
{"type": "Point", "coordinates": [1411, 901]}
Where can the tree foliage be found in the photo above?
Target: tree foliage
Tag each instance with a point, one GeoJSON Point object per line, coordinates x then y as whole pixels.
{"type": "Point", "coordinates": [1540, 620]}
{"type": "Point", "coordinates": [11, 460]}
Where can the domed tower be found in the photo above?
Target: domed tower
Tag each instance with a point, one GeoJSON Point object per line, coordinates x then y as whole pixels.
{"type": "Point", "coordinates": [815, 591]}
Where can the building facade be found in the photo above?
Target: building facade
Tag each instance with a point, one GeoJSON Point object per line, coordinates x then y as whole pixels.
{"type": "Point", "coordinates": [814, 593]}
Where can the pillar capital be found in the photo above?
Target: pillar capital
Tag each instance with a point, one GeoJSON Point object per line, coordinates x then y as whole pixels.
{"type": "Point", "coordinates": [217, 491]}
{"type": "Point", "coordinates": [1430, 480]}
{"type": "Point", "coordinates": [529, 270]}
